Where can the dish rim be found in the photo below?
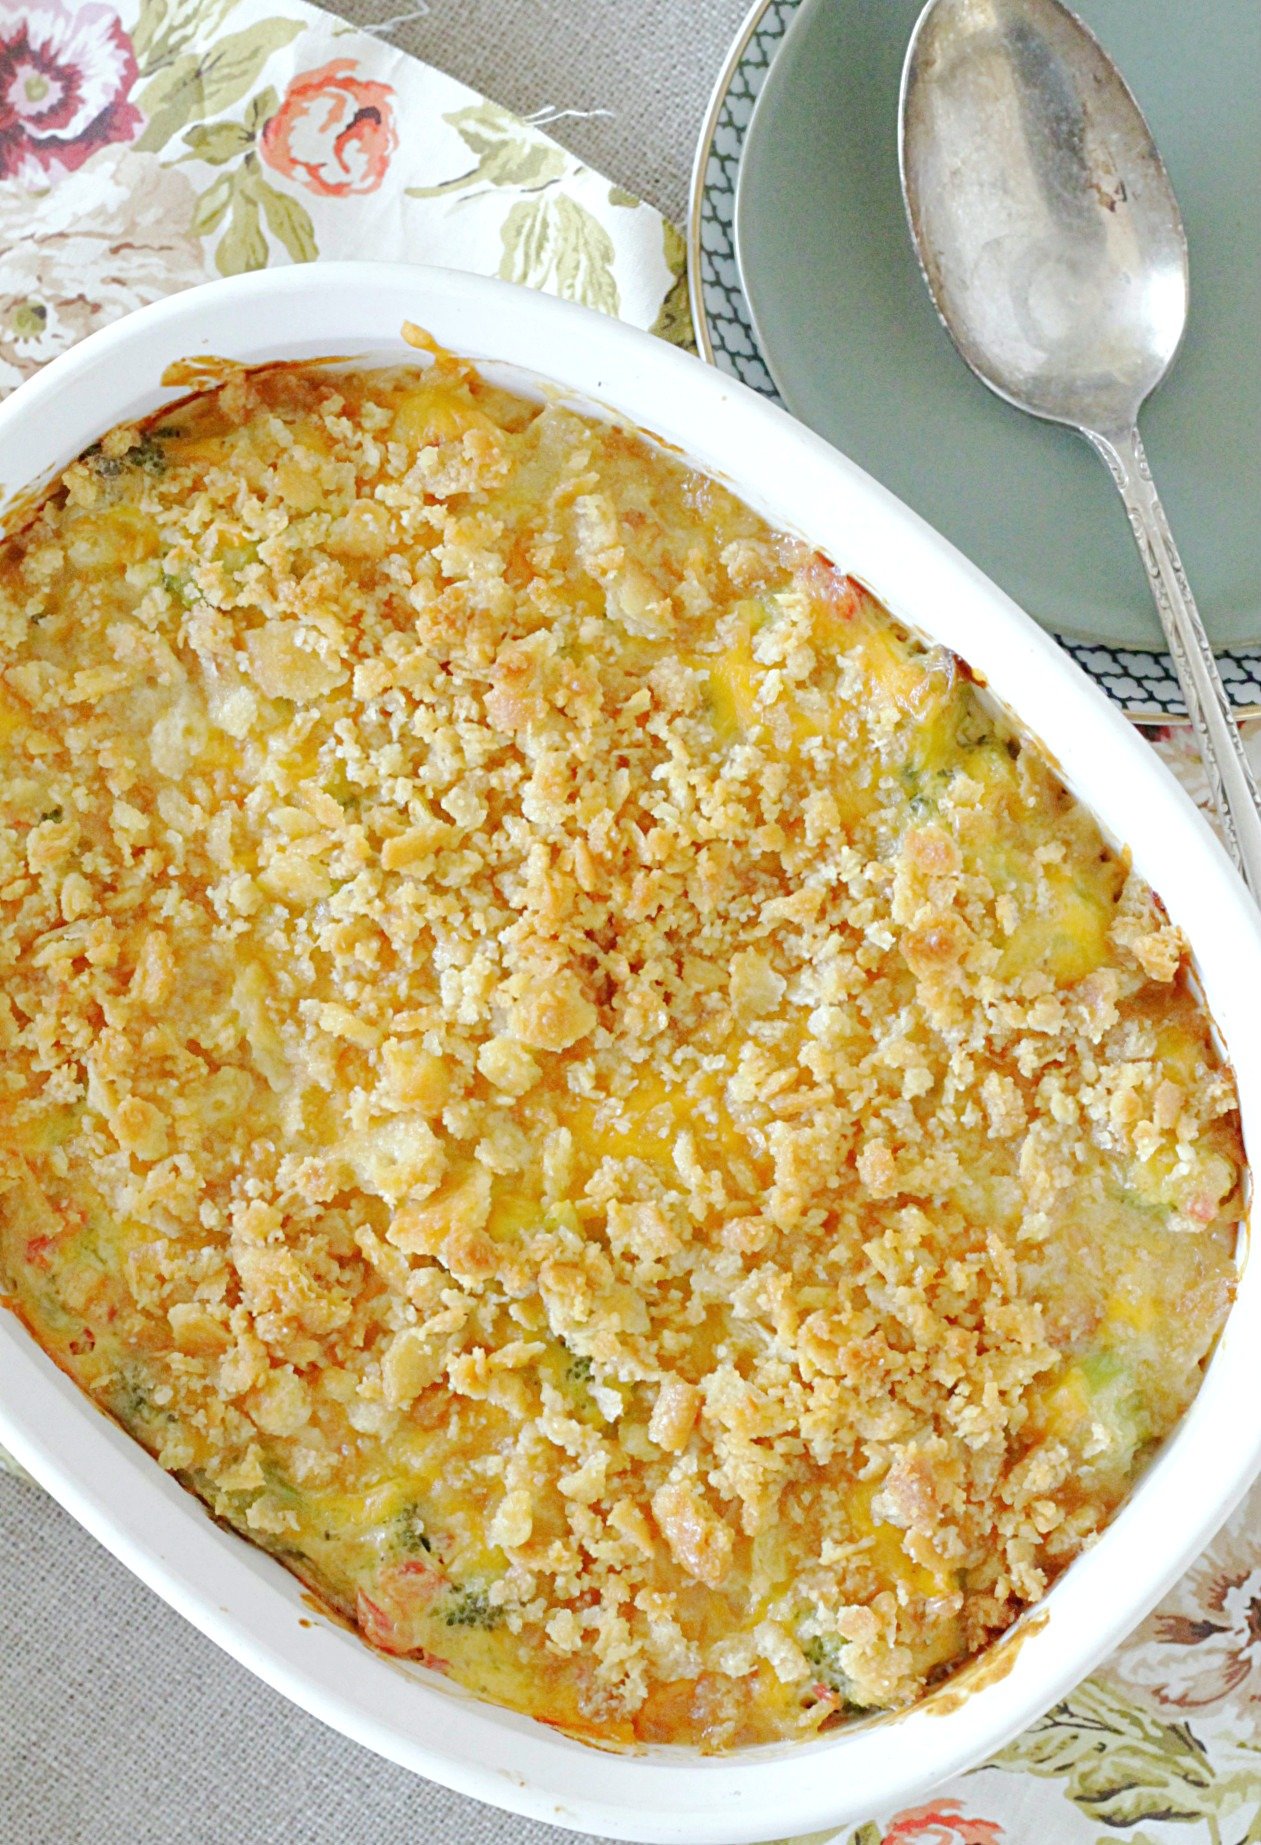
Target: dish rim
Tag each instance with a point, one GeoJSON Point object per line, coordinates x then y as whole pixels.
{"type": "Point", "coordinates": [247, 1602]}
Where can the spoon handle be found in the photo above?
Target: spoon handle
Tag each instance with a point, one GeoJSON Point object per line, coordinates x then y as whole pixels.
{"type": "Point", "coordinates": [1230, 777]}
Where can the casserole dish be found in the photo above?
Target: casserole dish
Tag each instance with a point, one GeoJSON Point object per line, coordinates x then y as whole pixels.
{"type": "Point", "coordinates": [244, 1601]}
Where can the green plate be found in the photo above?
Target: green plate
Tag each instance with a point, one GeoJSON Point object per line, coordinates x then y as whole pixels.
{"type": "Point", "coordinates": [849, 334]}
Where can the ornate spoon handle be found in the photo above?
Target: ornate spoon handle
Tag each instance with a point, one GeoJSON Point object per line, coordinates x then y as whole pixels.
{"type": "Point", "coordinates": [1221, 747]}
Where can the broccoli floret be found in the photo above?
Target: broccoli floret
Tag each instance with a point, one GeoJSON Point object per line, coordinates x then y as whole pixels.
{"type": "Point", "coordinates": [824, 1653]}
{"type": "Point", "coordinates": [130, 1399]}
{"type": "Point", "coordinates": [409, 1533]}
{"type": "Point", "coordinates": [149, 455]}
{"type": "Point", "coordinates": [181, 587]}
{"type": "Point", "coordinates": [472, 1608]}
{"type": "Point", "coordinates": [105, 467]}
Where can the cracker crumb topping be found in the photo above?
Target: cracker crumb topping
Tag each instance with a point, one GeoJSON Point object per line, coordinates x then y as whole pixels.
{"type": "Point", "coordinates": [565, 1073]}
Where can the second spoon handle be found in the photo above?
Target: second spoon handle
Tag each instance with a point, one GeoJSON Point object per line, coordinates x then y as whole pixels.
{"type": "Point", "coordinates": [1230, 777]}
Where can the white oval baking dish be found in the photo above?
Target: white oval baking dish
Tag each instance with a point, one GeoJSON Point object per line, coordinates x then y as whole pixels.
{"type": "Point", "coordinates": [248, 1603]}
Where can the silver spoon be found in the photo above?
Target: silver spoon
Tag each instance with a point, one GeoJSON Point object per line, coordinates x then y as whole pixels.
{"type": "Point", "coordinates": [1052, 245]}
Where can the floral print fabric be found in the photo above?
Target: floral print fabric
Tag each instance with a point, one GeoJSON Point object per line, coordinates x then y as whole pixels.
{"type": "Point", "coordinates": [334, 132]}
{"type": "Point", "coordinates": [1161, 1747]}
{"type": "Point", "coordinates": [66, 78]}
{"type": "Point", "coordinates": [146, 145]}
{"type": "Point", "coordinates": [149, 144]}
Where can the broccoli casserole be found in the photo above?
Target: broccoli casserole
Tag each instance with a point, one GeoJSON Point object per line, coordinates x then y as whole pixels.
{"type": "Point", "coordinates": [574, 1081]}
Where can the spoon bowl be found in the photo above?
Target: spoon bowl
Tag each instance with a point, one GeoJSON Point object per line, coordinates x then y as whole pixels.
{"type": "Point", "coordinates": [1051, 241]}
{"type": "Point", "coordinates": [1052, 244]}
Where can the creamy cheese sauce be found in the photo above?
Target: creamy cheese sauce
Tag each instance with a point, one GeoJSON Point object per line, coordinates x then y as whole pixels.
{"type": "Point", "coordinates": [564, 1073]}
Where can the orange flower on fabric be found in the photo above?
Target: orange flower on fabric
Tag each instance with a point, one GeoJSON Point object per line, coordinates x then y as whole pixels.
{"type": "Point", "coordinates": [942, 1822]}
{"type": "Point", "coordinates": [334, 131]}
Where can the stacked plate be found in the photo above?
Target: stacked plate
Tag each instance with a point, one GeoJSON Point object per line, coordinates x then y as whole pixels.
{"type": "Point", "coordinates": [805, 285]}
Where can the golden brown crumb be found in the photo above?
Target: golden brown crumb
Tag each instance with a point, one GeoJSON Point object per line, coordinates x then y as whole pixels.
{"type": "Point", "coordinates": [565, 1073]}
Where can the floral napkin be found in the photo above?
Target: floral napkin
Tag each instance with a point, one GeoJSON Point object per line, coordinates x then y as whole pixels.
{"type": "Point", "coordinates": [1161, 1747]}
{"type": "Point", "coordinates": [149, 144]}
{"type": "Point", "coordinates": [146, 145]}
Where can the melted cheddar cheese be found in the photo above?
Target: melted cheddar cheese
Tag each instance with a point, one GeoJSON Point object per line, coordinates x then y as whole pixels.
{"type": "Point", "coordinates": [570, 1078]}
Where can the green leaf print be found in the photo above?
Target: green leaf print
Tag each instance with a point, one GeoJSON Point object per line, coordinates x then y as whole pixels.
{"type": "Point", "coordinates": [1118, 1764]}
{"type": "Point", "coordinates": [243, 245]}
{"type": "Point", "coordinates": [212, 205]}
{"type": "Point", "coordinates": [507, 153]}
{"type": "Point", "coordinates": [556, 244]}
{"type": "Point", "coordinates": [230, 70]}
{"type": "Point", "coordinates": [218, 143]}
{"type": "Point", "coordinates": [584, 260]}
{"type": "Point", "coordinates": [1130, 1788]}
{"type": "Point", "coordinates": [261, 109]}
{"type": "Point", "coordinates": [170, 101]}
{"type": "Point", "coordinates": [166, 27]}
{"type": "Point", "coordinates": [152, 23]}
{"type": "Point", "coordinates": [288, 221]}
{"type": "Point", "coordinates": [196, 85]}
{"type": "Point", "coordinates": [526, 237]}
{"type": "Point", "coordinates": [674, 317]}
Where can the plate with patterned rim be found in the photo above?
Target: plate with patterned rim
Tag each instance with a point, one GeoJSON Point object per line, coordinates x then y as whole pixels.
{"type": "Point", "coordinates": [1142, 683]}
